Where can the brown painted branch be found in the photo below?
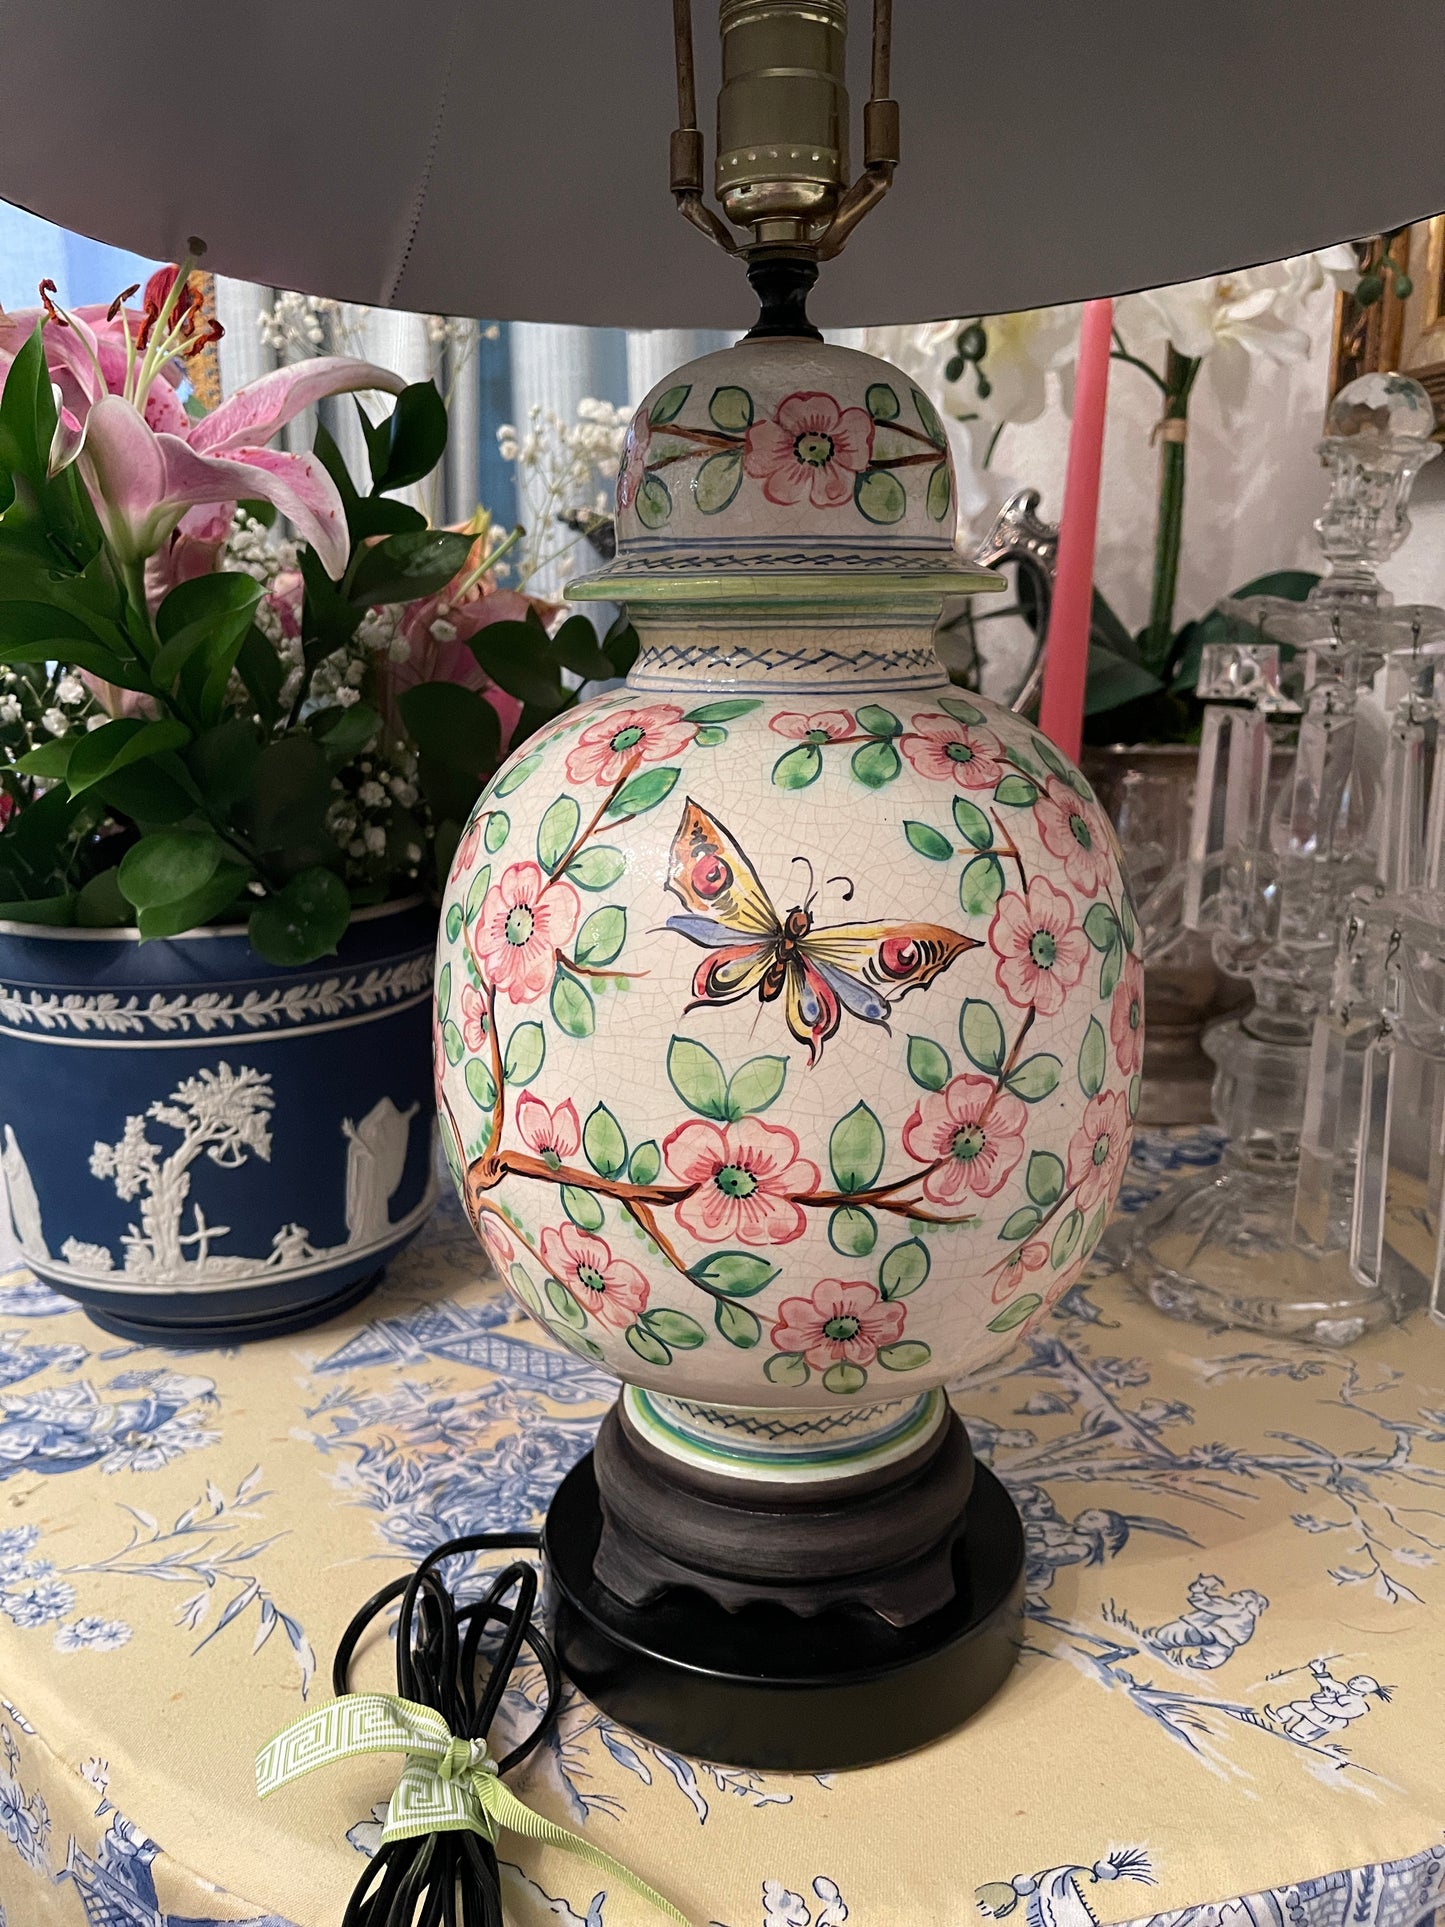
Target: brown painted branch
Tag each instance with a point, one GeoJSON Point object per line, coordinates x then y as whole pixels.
{"type": "Point", "coordinates": [569, 854]}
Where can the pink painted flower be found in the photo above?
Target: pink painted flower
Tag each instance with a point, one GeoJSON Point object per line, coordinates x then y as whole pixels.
{"type": "Point", "coordinates": [825, 726]}
{"type": "Point", "coordinates": [978, 1136]}
{"type": "Point", "coordinates": [839, 1324]}
{"type": "Point", "coordinates": [467, 849]}
{"type": "Point", "coordinates": [1076, 832]}
{"type": "Point", "coordinates": [525, 921]}
{"type": "Point", "coordinates": [747, 1176]}
{"type": "Point", "coordinates": [626, 738]}
{"type": "Point", "coordinates": [634, 460]}
{"type": "Point", "coordinates": [1030, 1257]}
{"type": "Point", "coordinates": [811, 448]}
{"type": "Point", "coordinates": [1041, 949]}
{"type": "Point", "coordinates": [500, 1248]}
{"type": "Point", "coordinates": [949, 751]}
{"type": "Point", "coordinates": [612, 1290]}
{"type": "Point", "coordinates": [1126, 1017]}
{"type": "Point", "coordinates": [552, 1132]}
{"type": "Point", "coordinates": [474, 1017]}
{"type": "Point", "coordinates": [1098, 1148]}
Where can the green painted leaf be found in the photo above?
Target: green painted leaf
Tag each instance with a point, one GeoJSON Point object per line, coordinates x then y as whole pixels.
{"type": "Point", "coordinates": [1095, 1229]}
{"type": "Point", "coordinates": [526, 1049]}
{"type": "Point", "coordinates": [905, 1357]}
{"type": "Point", "coordinates": [565, 1305]}
{"type": "Point", "coordinates": [582, 1207]}
{"type": "Point", "coordinates": [669, 404]}
{"type": "Point", "coordinates": [875, 764]}
{"type": "Point", "coordinates": [454, 923]}
{"type": "Point", "coordinates": [498, 828]}
{"type": "Point", "coordinates": [572, 1006]}
{"type": "Point", "coordinates": [787, 1368]}
{"type": "Point", "coordinates": [1044, 1179]}
{"type": "Point", "coordinates": [514, 778]}
{"type": "Point", "coordinates": [717, 482]}
{"type": "Point", "coordinates": [927, 841]}
{"type": "Point", "coordinates": [1066, 1240]}
{"type": "Point", "coordinates": [961, 711]}
{"type": "Point", "coordinates": [452, 1043]}
{"type": "Point", "coordinates": [651, 1349]}
{"type": "Point", "coordinates": [522, 1284]}
{"type": "Point", "coordinates": [1093, 1059]}
{"type": "Point", "coordinates": [1024, 1222]}
{"type": "Point", "coordinates": [1126, 918]}
{"type": "Point", "coordinates": [644, 792]}
{"type": "Point", "coordinates": [604, 1144]}
{"type": "Point", "coordinates": [796, 768]}
{"type": "Point", "coordinates": [1016, 1313]}
{"type": "Point", "coordinates": [478, 1079]}
{"type": "Point", "coordinates": [880, 495]}
{"type": "Point", "coordinates": [852, 1230]}
{"type": "Point", "coordinates": [1135, 1092]}
{"type": "Point", "coordinates": [939, 498]}
{"type": "Point", "coordinates": [928, 415]}
{"type": "Point", "coordinates": [602, 936]}
{"type": "Point", "coordinates": [732, 409]}
{"type": "Point", "coordinates": [709, 735]}
{"type": "Point", "coordinates": [645, 1163]}
{"type": "Point", "coordinates": [697, 1077]}
{"type": "Point", "coordinates": [844, 1378]}
{"type": "Point", "coordinates": [726, 711]}
{"type": "Point", "coordinates": [1017, 791]}
{"type": "Point", "coordinates": [903, 1269]}
{"type": "Point", "coordinates": [981, 885]}
{"type": "Point", "coordinates": [596, 868]}
{"type": "Point", "coordinates": [1036, 1078]}
{"type": "Point", "coordinates": [855, 1149]}
{"type": "Point", "coordinates": [1101, 926]}
{"type": "Point", "coordinates": [878, 721]}
{"type": "Point", "coordinates": [444, 990]}
{"type": "Point", "coordinates": [738, 1325]}
{"type": "Point", "coordinates": [981, 1034]}
{"type": "Point", "coordinates": [928, 1063]}
{"type": "Point", "coordinates": [555, 832]}
{"type": "Point", "coordinates": [755, 1086]}
{"type": "Point", "coordinates": [1110, 970]}
{"type": "Point", "coordinates": [973, 826]}
{"type": "Point", "coordinates": [674, 1328]}
{"type": "Point", "coordinates": [476, 892]}
{"type": "Point", "coordinates": [737, 1274]}
{"type": "Point", "coordinates": [882, 402]}
{"type": "Point", "coordinates": [654, 503]}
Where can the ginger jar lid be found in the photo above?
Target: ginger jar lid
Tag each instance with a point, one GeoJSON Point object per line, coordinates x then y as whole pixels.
{"type": "Point", "coordinates": [785, 469]}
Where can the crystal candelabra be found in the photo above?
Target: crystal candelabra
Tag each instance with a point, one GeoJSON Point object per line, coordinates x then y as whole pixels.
{"type": "Point", "coordinates": [1320, 721]}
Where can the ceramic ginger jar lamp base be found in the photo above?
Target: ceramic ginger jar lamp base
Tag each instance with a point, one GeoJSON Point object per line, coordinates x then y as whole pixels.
{"type": "Point", "coordinates": [788, 1043]}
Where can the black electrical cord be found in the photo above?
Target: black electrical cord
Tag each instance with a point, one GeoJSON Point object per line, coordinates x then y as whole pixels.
{"type": "Point", "coordinates": [451, 1879]}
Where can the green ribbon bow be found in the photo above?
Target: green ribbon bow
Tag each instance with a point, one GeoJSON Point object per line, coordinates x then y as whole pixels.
{"type": "Point", "coordinates": [446, 1785]}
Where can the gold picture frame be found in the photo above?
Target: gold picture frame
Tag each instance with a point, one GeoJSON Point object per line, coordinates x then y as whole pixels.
{"type": "Point", "coordinates": [1394, 336]}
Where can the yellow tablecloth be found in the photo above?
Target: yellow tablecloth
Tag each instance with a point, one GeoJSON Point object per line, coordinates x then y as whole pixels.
{"type": "Point", "coordinates": [1231, 1704]}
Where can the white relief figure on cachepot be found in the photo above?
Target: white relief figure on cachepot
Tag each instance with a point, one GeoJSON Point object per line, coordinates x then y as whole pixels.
{"type": "Point", "coordinates": [789, 1003]}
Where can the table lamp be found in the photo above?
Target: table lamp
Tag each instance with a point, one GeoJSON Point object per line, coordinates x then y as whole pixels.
{"type": "Point", "coordinates": [787, 1000]}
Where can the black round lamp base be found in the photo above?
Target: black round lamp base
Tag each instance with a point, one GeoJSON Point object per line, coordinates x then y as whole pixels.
{"type": "Point", "coordinates": [766, 1688]}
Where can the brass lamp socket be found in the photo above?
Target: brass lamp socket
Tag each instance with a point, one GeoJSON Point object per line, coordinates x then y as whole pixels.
{"type": "Point", "coordinates": [782, 116]}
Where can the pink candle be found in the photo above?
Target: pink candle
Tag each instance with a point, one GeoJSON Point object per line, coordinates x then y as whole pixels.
{"type": "Point", "coordinates": [1066, 659]}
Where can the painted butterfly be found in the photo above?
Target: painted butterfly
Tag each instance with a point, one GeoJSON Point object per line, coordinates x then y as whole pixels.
{"type": "Point", "coordinates": [819, 973]}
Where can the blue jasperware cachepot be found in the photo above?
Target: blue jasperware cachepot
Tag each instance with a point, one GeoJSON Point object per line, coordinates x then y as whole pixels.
{"type": "Point", "coordinates": [201, 1146]}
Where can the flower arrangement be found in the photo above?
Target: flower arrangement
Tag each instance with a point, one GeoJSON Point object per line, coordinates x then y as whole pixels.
{"type": "Point", "coordinates": [202, 721]}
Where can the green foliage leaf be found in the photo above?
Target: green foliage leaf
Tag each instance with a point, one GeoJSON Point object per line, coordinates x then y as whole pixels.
{"type": "Point", "coordinates": [344, 732]}
{"type": "Point", "coordinates": [582, 1207]}
{"type": "Point", "coordinates": [410, 443]}
{"type": "Point", "coordinates": [101, 904]}
{"type": "Point", "coordinates": [1036, 1078]}
{"type": "Point", "coordinates": [674, 1329]}
{"type": "Point", "coordinates": [602, 936]}
{"type": "Point", "coordinates": [1101, 926]}
{"type": "Point", "coordinates": [718, 480]}
{"type": "Point", "coordinates": [478, 1079]}
{"type": "Point", "coordinates": [572, 1006]}
{"type": "Point", "coordinates": [643, 792]}
{"type": "Point", "coordinates": [928, 1063]}
{"type": "Point", "coordinates": [738, 1325]}
{"type": "Point", "coordinates": [980, 1031]}
{"type": "Point", "coordinates": [604, 1144]}
{"type": "Point", "coordinates": [303, 921]}
{"type": "Point", "coordinates": [555, 832]}
{"type": "Point", "coordinates": [1023, 1223]}
{"type": "Point", "coordinates": [1017, 791]}
{"type": "Point", "coordinates": [223, 761]}
{"type": "Point", "coordinates": [737, 1274]}
{"type": "Point", "coordinates": [726, 711]}
{"type": "Point", "coordinates": [1093, 1059]}
{"type": "Point", "coordinates": [49, 760]}
{"type": "Point", "coordinates": [697, 1077]}
{"type": "Point", "coordinates": [201, 624]}
{"type": "Point", "coordinates": [844, 1378]}
{"type": "Point", "coordinates": [855, 1149]}
{"type": "Point", "coordinates": [518, 657]}
{"type": "Point", "coordinates": [1066, 1239]}
{"type": "Point", "coordinates": [290, 796]}
{"type": "Point", "coordinates": [973, 826]}
{"type": "Point", "coordinates": [458, 740]}
{"type": "Point", "coordinates": [903, 1269]}
{"type": "Point", "coordinates": [1044, 1179]}
{"type": "Point", "coordinates": [927, 841]}
{"type": "Point", "coordinates": [796, 768]}
{"type": "Point", "coordinates": [406, 567]}
{"type": "Point", "coordinates": [597, 867]}
{"type": "Point", "coordinates": [214, 897]}
{"type": "Point", "coordinates": [645, 1163]}
{"type": "Point", "coordinates": [1015, 1313]}
{"type": "Point", "coordinates": [755, 1085]}
{"type": "Point", "coordinates": [875, 764]}
{"type": "Point", "coordinates": [904, 1357]}
{"type": "Point", "coordinates": [669, 404]}
{"type": "Point", "coordinates": [880, 496]}
{"type": "Point", "coordinates": [525, 1054]}
{"type": "Point", "coordinates": [852, 1230]}
{"type": "Point", "coordinates": [981, 885]}
{"type": "Point", "coordinates": [58, 911]}
{"type": "Point", "coordinates": [787, 1368]}
{"type": "Point", "coordinates": [114, 745]}
{"type": "Point", "coordinates": [878, 721]}
{"type": "Point", "coordinates": [169, 865]}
